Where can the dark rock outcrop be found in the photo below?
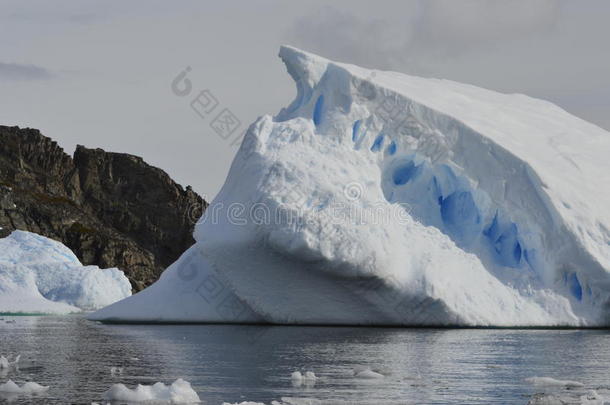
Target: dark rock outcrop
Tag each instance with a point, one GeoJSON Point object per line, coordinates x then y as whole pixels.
{"type": "Point", "coordinates": [111, 209]}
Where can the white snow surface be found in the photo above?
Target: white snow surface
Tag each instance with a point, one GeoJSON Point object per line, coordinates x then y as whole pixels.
{"type": "Point", "coordinates": [378, 198]}
{"type": "Point", "coordinates": [40, 275]}
{"type": "Point", "coordinates": [179, 392]}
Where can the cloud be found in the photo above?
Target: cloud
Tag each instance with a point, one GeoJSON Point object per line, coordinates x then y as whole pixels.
{"type": "Point", "coordinates": [342, 35]}
{"type": "Point", "coordinates": [453, 28]}
{"type": "Point", "coordinates": [555, 50]}
{"type": "Point", "coordinates": [17, 71]}
{"type": "Point", "coordinates": [420, 32]}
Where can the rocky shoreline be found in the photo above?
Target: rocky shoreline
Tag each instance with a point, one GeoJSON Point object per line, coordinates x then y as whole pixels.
{"type": "Point", "coordinates": [110, 209]}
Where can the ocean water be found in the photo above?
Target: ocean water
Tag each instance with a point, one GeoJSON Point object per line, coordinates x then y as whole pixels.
{"type": "Point", "coordinates": [234, 363]}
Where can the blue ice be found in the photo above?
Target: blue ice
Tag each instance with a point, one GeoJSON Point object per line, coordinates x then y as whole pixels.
{"type": "Point", "coordinates": [503, 237]}
{"type": "Point", "coordinates": [435, 189]}
{"type": "Point", "coordinates": [392, 148]}
{"type": "Point", "coordinates": [317, 110]}
{"type": "Point", "coordinates": [356, 130]}
{"type": "Point", "coordinates": [378, 143]}
{"type": "Point", "coordinates": [405, 172]}
{"type": "Point", "coordinates": [575, 287]}
{"type": "Point", "coordinates": [461, 216]}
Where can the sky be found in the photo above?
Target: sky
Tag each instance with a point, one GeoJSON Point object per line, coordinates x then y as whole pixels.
{"type": "Point", "coordinates": [100, 73]}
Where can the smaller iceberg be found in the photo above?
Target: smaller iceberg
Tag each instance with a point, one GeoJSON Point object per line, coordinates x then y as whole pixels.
{"type": "Point", "coordinates": [10, 387]}
{"type": "Point", "coordinates": [308, 379]}
{"type": "Point", "coordinates": [552, 382]}
{"type": "Point", "coordinates": [367, 374]}
{"type": "Point", "coordinates": [42, 276]}
{"type": "Point", "coordinates": [5, 363]}
{"type": "Point", "coordinates": [179, 392]}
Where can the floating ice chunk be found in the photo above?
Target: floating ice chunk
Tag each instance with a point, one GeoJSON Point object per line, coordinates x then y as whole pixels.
{"type": "Point", "coordinates": [366, 373]}
{"type": "Point", "coordinates": [6, 364]}
{"type": "Point", "coordinates": [27, 388]}
{"type": "Point", "coordinates": [552, 382]}
{"type": "Point", "coordinates": [299, 379]}
{"type": "Point", "coordinates": [114, 371]}
{"type": "Point", "coordinates": [283, 401]}
{"type": "Point", "coordinates": [179, 392]}
{"type": "Point", "coordinates": [544, 399]}
{"type": "Point", "coordinates": [590, 398]}
{"type": "Point", "coordinates": [593, 398]}
{"type": "Point", "coordinates": [297, 401]}
{"type": "Point", "coordinates": [309, 375]}
{"type": "Point", "coordinates": [243, 403]}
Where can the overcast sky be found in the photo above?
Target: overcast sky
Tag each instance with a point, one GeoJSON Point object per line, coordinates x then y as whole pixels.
{"type": "Point", "coordinates": [99, 73]}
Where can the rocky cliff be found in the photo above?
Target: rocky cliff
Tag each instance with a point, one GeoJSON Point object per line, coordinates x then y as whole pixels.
{"type": "Point", "coordinates": [111, 209]}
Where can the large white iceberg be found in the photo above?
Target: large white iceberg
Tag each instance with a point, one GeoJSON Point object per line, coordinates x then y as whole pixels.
{"type": "Point", "coordinates": [40, 275]}
{"type": "Point", "coordinates": [385, 199]}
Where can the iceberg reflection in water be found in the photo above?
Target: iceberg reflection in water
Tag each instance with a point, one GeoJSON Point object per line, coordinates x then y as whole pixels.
{"type": "Point", "coordinates": [235, 363]}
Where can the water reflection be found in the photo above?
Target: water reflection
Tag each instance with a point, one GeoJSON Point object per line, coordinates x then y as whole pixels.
{"type": "Point", "coordinates": [237, 363]}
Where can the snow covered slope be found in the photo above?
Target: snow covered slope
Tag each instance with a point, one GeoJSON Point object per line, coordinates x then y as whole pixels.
{"type": "Point", "coordinates": [382, 198]}
{"type": "Point", "coordinates": [40, 275]}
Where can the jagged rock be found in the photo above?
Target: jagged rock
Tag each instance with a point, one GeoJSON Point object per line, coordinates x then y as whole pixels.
{"type": "Point", "coordinates": [6, 198]}
{"type": "Point", "coordinates": [111, 209]}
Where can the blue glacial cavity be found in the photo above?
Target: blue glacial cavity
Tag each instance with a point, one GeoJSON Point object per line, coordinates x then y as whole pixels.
{"type": "Point", "coordinates": [434, 188]}
{"type": "Point", "coordinates": [378, 143]}
{"type": "Point", "coordinates": [318, 110]}
{"type": "Point", "coordinates": [461, 216]}
{"type": "Point", "coordinates": [440, 197]}
{"type": "Point", "coordinates": [503, 238]}
{"type": "Point", "coordinates": [356, 130]}
{"type": "Point", "coordinates": [575, 286]}
{"type": "Point", "coordinates": [405, 172]}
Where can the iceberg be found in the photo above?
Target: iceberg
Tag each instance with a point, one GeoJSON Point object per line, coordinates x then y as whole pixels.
{"type": "Point", "coordinates": [179, 392]}
{"type": "Point", "coordinates": [10, 387]}
{"type": "Point", "coordinates": [379, 198]}
{"type": "Point", "coordinates": [552, 382]}
{"type": "Point", "coordinates": [6, 364]}
{"type": "Point", "coordinates": [42, 276]}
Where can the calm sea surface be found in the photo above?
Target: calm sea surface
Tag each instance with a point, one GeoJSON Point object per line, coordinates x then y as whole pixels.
{"type": "Point", "coordinates": [254, 363]}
